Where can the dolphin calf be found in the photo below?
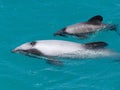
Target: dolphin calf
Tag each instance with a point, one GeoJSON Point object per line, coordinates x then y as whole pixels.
{"type": "Point", "coordinates": [53, 50]}
{"type": "Point", "coordinates": [84, 29]}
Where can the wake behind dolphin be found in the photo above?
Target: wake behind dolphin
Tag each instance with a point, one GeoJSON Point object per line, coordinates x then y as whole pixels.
{"type": "Point", "coordinates": [53, 50]}
{"type": "Point", "coordinates": [84, 29]}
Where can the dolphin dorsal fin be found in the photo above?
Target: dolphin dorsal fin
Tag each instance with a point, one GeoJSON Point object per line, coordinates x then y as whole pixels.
{"type": "Point", "coordinates": [96, 45]}
{"type": "Point", "coordinates": [95, 20]}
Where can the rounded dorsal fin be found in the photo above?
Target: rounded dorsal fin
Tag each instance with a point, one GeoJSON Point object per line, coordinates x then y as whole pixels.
{"type": "Point", "coordinates": [96, 45]}
{"type": "Point", "coordinates": [96, 19]}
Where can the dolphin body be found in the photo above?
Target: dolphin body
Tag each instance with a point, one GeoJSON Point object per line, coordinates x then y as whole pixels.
{"type": "Point", "coordinates": [84, 29]}
{"type": "Point", "coordinates": [52, 50]}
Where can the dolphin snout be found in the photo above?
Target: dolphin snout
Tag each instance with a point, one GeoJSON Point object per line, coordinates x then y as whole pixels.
{"type": "Point", "coordinates": [60, 32]}
{"type": "Point", "coordinates": [15, 50]}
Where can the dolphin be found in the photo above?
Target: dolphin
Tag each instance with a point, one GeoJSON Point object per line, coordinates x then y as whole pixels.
{"type": "Point", "coordinates": [84, 29]}
{"type": "Point", "coordinates": [53, 50]}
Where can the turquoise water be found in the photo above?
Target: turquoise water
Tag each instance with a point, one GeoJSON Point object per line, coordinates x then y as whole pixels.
{"type": "Point", "coordinates": [27, 20]}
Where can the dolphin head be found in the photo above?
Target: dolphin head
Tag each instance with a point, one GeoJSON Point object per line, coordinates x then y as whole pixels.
{"type": "Point", "coordinates": [61, 32]}
{"type": "Point", "coordinates": [27, 49]}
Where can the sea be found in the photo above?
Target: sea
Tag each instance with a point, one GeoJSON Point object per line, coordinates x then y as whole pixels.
{"type": "Point", "coordinates": [23, 21]}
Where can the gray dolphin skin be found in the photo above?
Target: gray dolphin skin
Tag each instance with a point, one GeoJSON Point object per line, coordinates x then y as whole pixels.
{"type": "Point", "coordinates": [53, 50]}
{"type": "Point", "coordinates": [84, 29]}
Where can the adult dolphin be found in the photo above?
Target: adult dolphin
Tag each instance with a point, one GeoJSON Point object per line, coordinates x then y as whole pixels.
{"type": "Point", "coordinates": [53, 50]}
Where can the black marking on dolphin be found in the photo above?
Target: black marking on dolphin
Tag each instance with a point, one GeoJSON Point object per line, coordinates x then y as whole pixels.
{"type": "Point", "coordinates": [33, 51]}
{"type": "Point", "coordinates": [33, 43]}
{"type": "Point", "coordinates": [36, 53]}
{"type": "Point", "coordinates": [49, 60]}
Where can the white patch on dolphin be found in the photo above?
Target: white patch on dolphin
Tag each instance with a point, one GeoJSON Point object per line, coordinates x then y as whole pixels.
{"type": "Point", "coordinates": [53, 50]}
